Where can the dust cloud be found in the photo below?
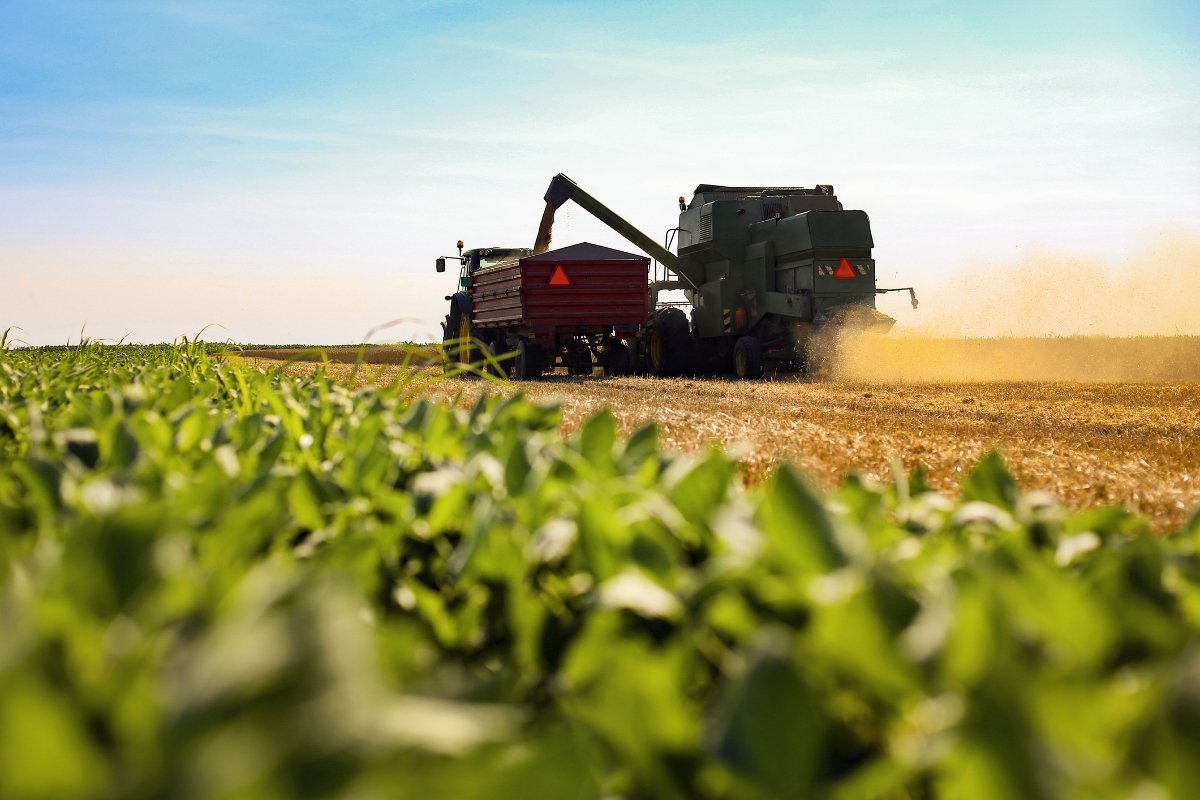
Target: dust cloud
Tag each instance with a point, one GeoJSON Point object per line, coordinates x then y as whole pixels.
{"type": "Point", "coordinates": [1052, 317]}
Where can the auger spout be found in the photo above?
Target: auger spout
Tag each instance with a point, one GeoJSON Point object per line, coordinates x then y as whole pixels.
{"type": "Point", "coordinates": [563, 189]}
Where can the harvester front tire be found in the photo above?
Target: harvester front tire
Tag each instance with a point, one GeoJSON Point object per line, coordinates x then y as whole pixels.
{"type": "Point", "coordinates": [747, 358]}
{"type": "Point", "coordinates": [530, 362]}
{"type": "Point", "coordinates": [669, 349]}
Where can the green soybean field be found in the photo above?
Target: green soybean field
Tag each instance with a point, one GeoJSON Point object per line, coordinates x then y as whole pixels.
{"type": "Point", "coordinates": [219, 581]}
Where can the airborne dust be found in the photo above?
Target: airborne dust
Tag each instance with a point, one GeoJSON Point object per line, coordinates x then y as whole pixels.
{"type": "Point", "coordinates": [1054, 317]}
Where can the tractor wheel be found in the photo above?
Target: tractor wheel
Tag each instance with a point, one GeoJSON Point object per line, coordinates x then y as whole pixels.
{"type": "Point", "coordinates": [616, 359]}
{"type": "Point", "coordinates": [530, 362]}
{"type": "Point", "coordinates": [447, 338]}
{"type": "Point", "coordinates": [465, 336]}
{"type": "Point", "coordinates": [747, 358]}
{"type": "Point", "coordinates": [498, 366]}
{"type": "Point", "coordinates": [669, 349]}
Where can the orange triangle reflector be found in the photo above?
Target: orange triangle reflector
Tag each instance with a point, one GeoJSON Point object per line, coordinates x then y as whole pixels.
{"type": "Point", "coordinates": [559, 277]}
{"type": "Point", "coordinates": [845, 271]}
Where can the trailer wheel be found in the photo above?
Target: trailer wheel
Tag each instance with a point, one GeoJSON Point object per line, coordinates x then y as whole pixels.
{"type": "Point", "coordinates": [747, 358]}
{"type": "Point", "coordinates": [579, 358]}
{"type": "Point", "coordinates": [530, 362]}
{"type": "Point", "coordinates": [616, 359]}
{"type": "Point", "coordinates": [669, 349]}
{"type": "Point", "coordinates": [637, 356]}
{"type": "Point", "coordinates": [501, 362]}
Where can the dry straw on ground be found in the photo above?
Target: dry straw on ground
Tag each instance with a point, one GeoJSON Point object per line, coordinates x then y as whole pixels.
{"type": "Point", "coordinates": [1136, 444]}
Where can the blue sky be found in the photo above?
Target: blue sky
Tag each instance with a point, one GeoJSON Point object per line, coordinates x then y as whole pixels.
{"type": "Point", "coordinates": [290, 170]}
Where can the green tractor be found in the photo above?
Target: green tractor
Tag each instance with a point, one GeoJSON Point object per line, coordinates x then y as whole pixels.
{"type": "Point", "coordinates": [769, 274]}
{"type": "Point", "coordinates": [459, 335]}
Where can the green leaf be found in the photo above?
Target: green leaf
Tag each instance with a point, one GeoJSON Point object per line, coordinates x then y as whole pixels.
{"type": "Point", "coordinates": [797, 526]}
{"type": "Point", "coordinates": [45, 748]}
{"type": "Point", "coordinates": [704, 488]}
{"type": "Point", "coordinates": [990, 482]}
{"type": "Point", "coordinates": [304, 500]}
{"type": "Point", "coordinates": [597, 437]}
{"type": "Point", "coordinates": [772, 728]}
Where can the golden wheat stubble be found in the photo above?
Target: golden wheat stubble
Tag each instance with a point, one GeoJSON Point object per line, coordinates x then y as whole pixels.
{"type": "Point", "coordinates": [1109, 443]}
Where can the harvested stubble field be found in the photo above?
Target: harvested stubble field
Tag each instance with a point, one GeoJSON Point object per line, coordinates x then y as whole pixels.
{"type": "Point", "coordinates": [1112, 442]}
{"type": "Point", "coordinates": [343, 354]}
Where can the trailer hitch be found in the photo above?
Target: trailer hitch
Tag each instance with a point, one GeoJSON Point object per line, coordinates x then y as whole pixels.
{"type": "Point", "coordinates": [912, 293]}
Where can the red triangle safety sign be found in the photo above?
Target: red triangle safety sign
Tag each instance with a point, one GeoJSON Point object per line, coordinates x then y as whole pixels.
{"type": "Point", "coordinates": [559, 277]}
{"type": "Point", "coordinates": [845, 271]}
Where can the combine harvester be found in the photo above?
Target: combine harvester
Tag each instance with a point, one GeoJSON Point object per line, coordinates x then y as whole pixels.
{"type": "Point", "coordinates": [769, 273]}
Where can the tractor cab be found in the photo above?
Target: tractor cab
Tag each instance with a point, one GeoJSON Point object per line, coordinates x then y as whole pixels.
{"type": "Point", "coordinates": [484, 257]}
{"type": "Point", "coordinates": [479, 258]}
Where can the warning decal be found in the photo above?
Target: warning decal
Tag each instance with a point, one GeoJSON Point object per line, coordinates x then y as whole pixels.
{"type": "Point", "coordinates": [845, 272]}
{"type": "Point", "coordinates": [559, 277]}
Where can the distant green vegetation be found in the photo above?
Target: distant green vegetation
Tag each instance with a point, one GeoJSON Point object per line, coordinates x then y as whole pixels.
{"type": "Point", "coordinates": [218, 582]}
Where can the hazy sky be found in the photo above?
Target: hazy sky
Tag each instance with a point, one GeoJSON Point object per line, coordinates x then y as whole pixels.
{"type": "Point", "coordinates": [290, 170]}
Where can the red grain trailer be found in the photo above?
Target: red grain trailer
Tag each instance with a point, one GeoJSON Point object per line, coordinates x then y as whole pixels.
{"type": "Point", "coordinates": [574, 307]}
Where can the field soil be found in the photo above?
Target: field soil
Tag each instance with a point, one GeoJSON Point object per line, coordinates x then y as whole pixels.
{"type": "Point", "coordinates": [1135, 444]}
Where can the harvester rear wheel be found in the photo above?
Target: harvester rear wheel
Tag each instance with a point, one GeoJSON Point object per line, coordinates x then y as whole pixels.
{"type": "Point", "coordinates": [669, 350]}
{"type": "Point", "coordinates": [530, 362]}
{"type": "Point", "coordinates": [747, 358]}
